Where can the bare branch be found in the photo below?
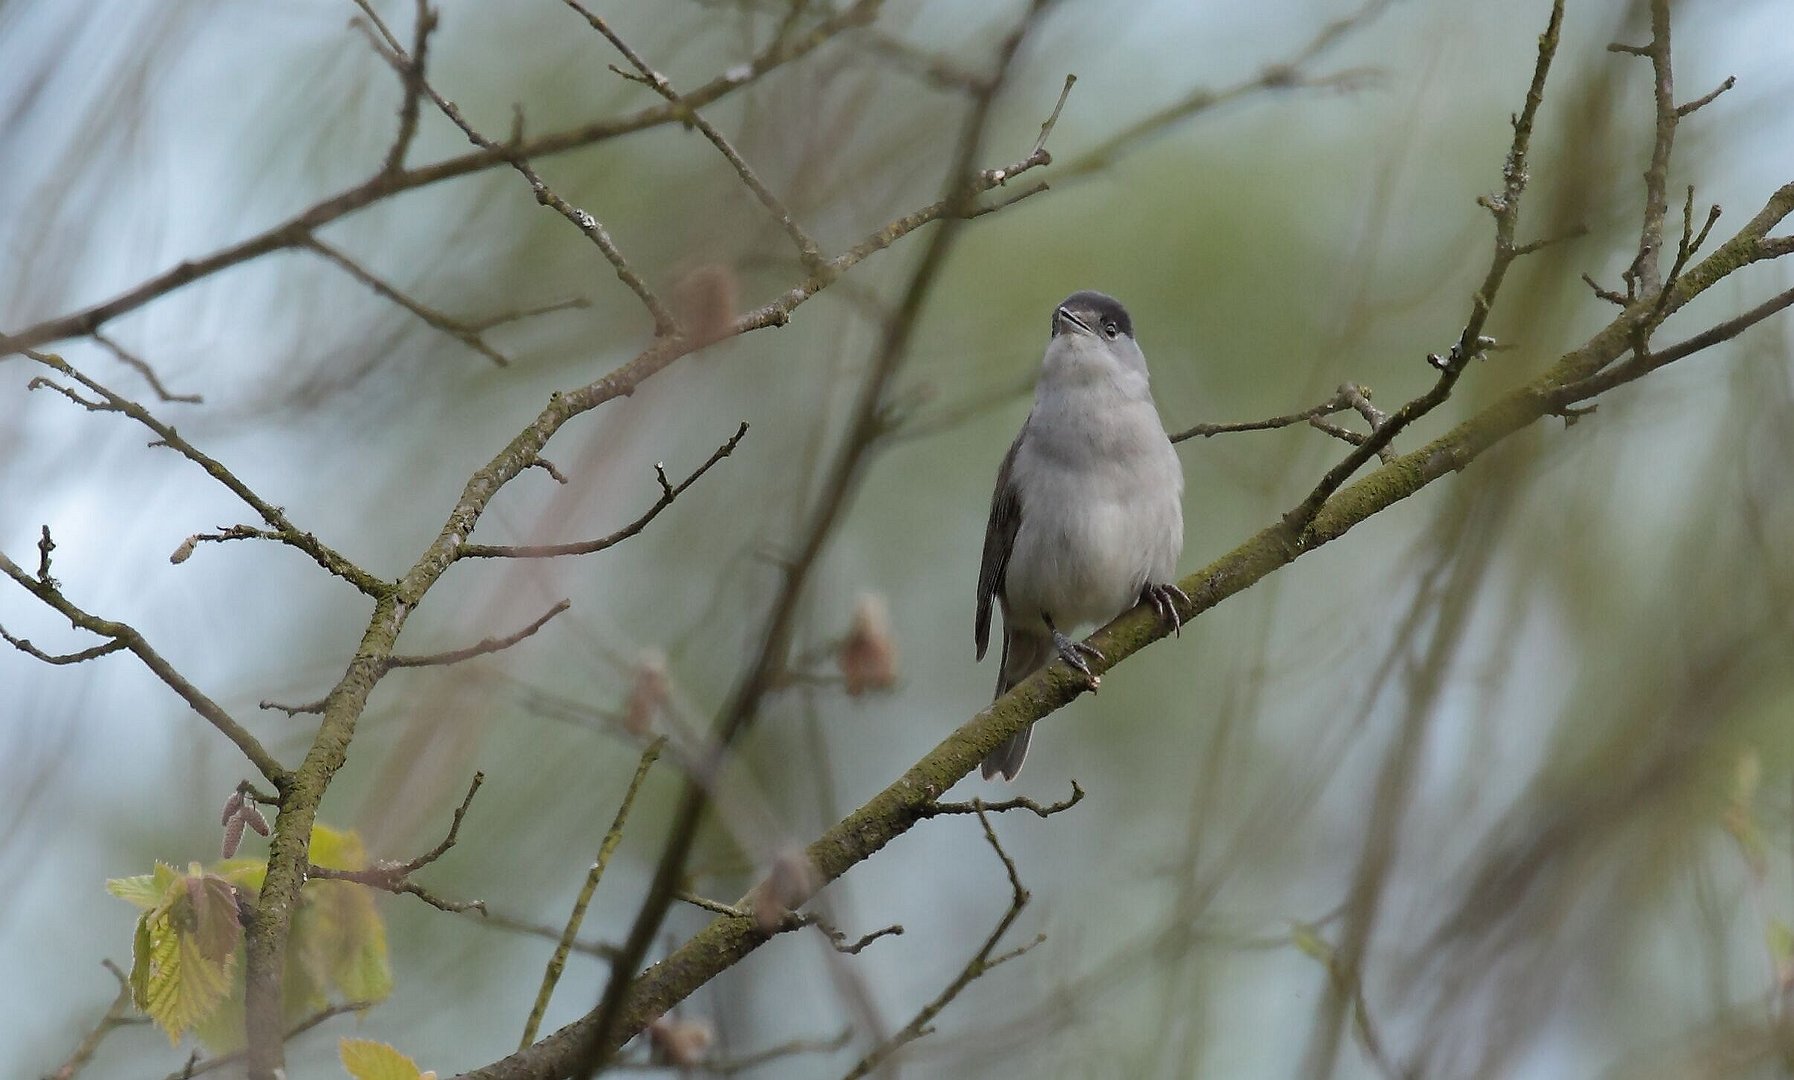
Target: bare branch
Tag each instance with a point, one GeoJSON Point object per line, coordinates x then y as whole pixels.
{"type": "Point", "coordinates": [294, 710]}
{"type": "Point", "coordinates": [412, 78]}
{"type": "Point", "coordinates": [384, 185]}
{"type": "Point", "coordinates": [1331, 405]}
{"type": "Point", "coordinates": [980, 807]}
{"type": "Point", "coordinates": [981, 963]}
{"type": "Point", "coordinates": [1471, 343]}
{"type": "Point", "coordinates": [200, 1066]}
{"type": "Point", "coordinates": [613, 836]}
{"type": "Point", "coordinates": [1643, 279]}
{"type": "Point", "coordinates": [806, 246]}
{"type": "Point", "coordinates": [484, 648]}
{"type": "Point", "coordinates": [142, 367]}
{"type": "Point", "coordinates": [128, 638]}
{"type": "Point", "coordinates": [284, 529]}
{"type": "Point", "coordinates": [668, 492]}
{"type": "Point", "coordinates": [118, 1014]}
{"type": "Point", "coordinates": [84, 655]}
{"type": "Point", "coordinates": [665, 326]}
{"type": "Point", "coordinates": [839, 942]}
{"type": "Point", "coordinates": [455, 328]}
{"type": "Point", "coordinates": [498, 921]}
{"type": "Point", "coordinates": [1643, 363]}
{"type": "Point", "coordinates": [1706, 99]}
{"type": "Point", "coordinates": [396, 877]}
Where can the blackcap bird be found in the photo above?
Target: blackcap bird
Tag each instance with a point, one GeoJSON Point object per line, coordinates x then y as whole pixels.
{"type": "Point", "coordinates": [1087, 518]}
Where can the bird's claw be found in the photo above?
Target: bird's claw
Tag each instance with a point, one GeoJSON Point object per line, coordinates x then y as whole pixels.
{"type": "Point", "coordinates": [1074, 654]}
{"type": "Point", "coordinates": [1163, 599]}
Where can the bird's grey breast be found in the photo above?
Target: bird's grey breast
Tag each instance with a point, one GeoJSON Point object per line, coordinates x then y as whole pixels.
{"type": "Point", "coordinates": [1101, 491]}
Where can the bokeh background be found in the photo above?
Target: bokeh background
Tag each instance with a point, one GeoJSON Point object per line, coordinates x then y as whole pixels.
{"type": "Point", "coordinates": [1528, 732]}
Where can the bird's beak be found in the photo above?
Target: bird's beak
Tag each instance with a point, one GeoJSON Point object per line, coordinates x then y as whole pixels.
{"type": "Point", "coordinates": [1066, 319]}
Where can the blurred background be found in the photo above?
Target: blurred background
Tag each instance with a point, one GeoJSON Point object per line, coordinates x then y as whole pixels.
{"type": "Point", "coordinates": [1521, 743]}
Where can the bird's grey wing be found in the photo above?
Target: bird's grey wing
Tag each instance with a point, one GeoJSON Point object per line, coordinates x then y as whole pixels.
{"type": "Point", "coordinates": [999, 540]}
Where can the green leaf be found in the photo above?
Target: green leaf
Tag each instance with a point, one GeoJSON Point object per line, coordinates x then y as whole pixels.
{"type": "Point", "coordinates": [338, 850]}
{"type": "Point", "coordinates": [369, 1060]}
{"type": "Point", "coordinates": [147, 891]}
{"type": "Point", "coordinates": [183, 985]}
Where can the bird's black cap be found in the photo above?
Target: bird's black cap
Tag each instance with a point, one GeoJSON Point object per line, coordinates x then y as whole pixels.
{"type": "Point", "coordinates": [1101, 306]}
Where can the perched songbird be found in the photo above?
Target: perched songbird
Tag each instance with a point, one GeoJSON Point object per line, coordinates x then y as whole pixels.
{"type": "Point", "coordinates": [1087, 518]}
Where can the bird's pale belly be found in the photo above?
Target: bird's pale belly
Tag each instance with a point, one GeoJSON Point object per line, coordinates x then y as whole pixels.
{"type": "Point", "coordinates": [1079, 568]}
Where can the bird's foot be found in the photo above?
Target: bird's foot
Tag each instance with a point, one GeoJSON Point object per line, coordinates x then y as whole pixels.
{"type": "Point", "coordinates": [1163, 599]}
{"type": "Point", "coordinates": [1075, 654]}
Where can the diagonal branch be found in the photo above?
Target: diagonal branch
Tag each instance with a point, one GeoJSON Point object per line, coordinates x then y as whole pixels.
{"type": "Point", "coordinates": [981, 963]}
{"type": "Point", "coordinates": [668, 492]}
{"type": "Point", "coordinates": [1471, 343]}
{"type": "Point", "coordinates": [284, 529]}
{"type": "Point", "coordinates": [485, 647]}
{"type": "Point", "coordinates": [455, 328]}
{"type": "Point", "coordinates": [384, 185]}
{"type": "Point", "coordinates": [142, 367]}
{"type": "Point", "coordinates": [396, 877]}
{"type": "Point", "coordinates": [599, 1041]}
{"type": "Point", "coordinates": [806, 246]}
{"type": "Point", "coordinates": [664, 323]}
{"type": "Point", "coordinates": [126, 637]}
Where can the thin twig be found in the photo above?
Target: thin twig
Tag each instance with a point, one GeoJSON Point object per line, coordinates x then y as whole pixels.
{"type": "Point", "coordinates": [1505, 207]}
{"type": "Point", "coordinates": [483, 648]}
{"type": "Point", "coordinates": [455, 328]}
{"type": "Point", "coordinates": [980, 807]}
{"type": "Point", "coordinates": [143, 368]}
{"type": "Point", "coordinates": [117, 1015]}
{"type": "Point", "coordinates": [570, 933]}
{"type": "Point", "coordinates": [806, 245]}
{"type": "Point", "coordinates": [127, 637]}
{"type": "Point", "coordinates": [200, 1066]}
{"type": "Point", "coordinates": [665, 325]}
{"type": "Point", "coordinates": [498, 921]}
{"type": "Point", "coordinates": [411, 79]}
{"type": "Point", "coordinates": [981, 963]}
{"type": "Point", "coordinates": [668, 492]}
{"type": "Point", "coordinates": [395, 877]}
{"type": "Point", "coordinates": [287, 533]}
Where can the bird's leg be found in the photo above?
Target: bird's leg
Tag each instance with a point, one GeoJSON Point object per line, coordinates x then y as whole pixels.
{"type": "Point", "coordinates": [1074, 653]}
{"type": "Point", "coordinates": [1163, 599]}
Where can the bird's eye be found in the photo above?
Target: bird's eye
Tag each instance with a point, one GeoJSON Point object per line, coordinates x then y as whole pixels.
{"type": "Point", "coordinates": [1110, 328]}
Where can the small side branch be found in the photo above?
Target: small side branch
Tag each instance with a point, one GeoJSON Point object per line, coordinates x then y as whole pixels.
{"type": "Point", "coordinates": [982, 963]}
{"type": "Point", "coordinates": [118, 1014]}
{"type": "Point", "coordinates": [665, 326]}
{"type": "Point", "coordinates": [483, 648]}
{"type": "Point", "coordinates": [839, 942]}
{"type": "Point", "coordinates": [283, 528]}
{"type": "Point", "coordinates": [396, 877]}
{"type": "Point", "coordinates": [463, 332]}
{"type": "Point", "coordinates": [199, 1066]}
{"type": "Point", "coordinates": [1349, 397]}
{"type": "Point", "coordinates": [806, 245]}
{"type": "Point", "coordinates": [126, 637]}
{"type": "Point", "coordinates": [668, 492]}
{"type": "Point", "coordinates": [142, 367]}
{"type": "Point", "coordinates": [570, 933]}
{"type": "Point", "coordinates": [1504, 206]}
{"type": "Point", "coordinates": [980, 807]}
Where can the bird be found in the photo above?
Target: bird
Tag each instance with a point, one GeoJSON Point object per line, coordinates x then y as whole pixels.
{"type": "Point", "coordinates": [1087, 516]}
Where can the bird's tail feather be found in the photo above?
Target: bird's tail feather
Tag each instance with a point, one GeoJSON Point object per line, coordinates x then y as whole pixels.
{"type": "Point", "coordinates": [1023, 655]}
